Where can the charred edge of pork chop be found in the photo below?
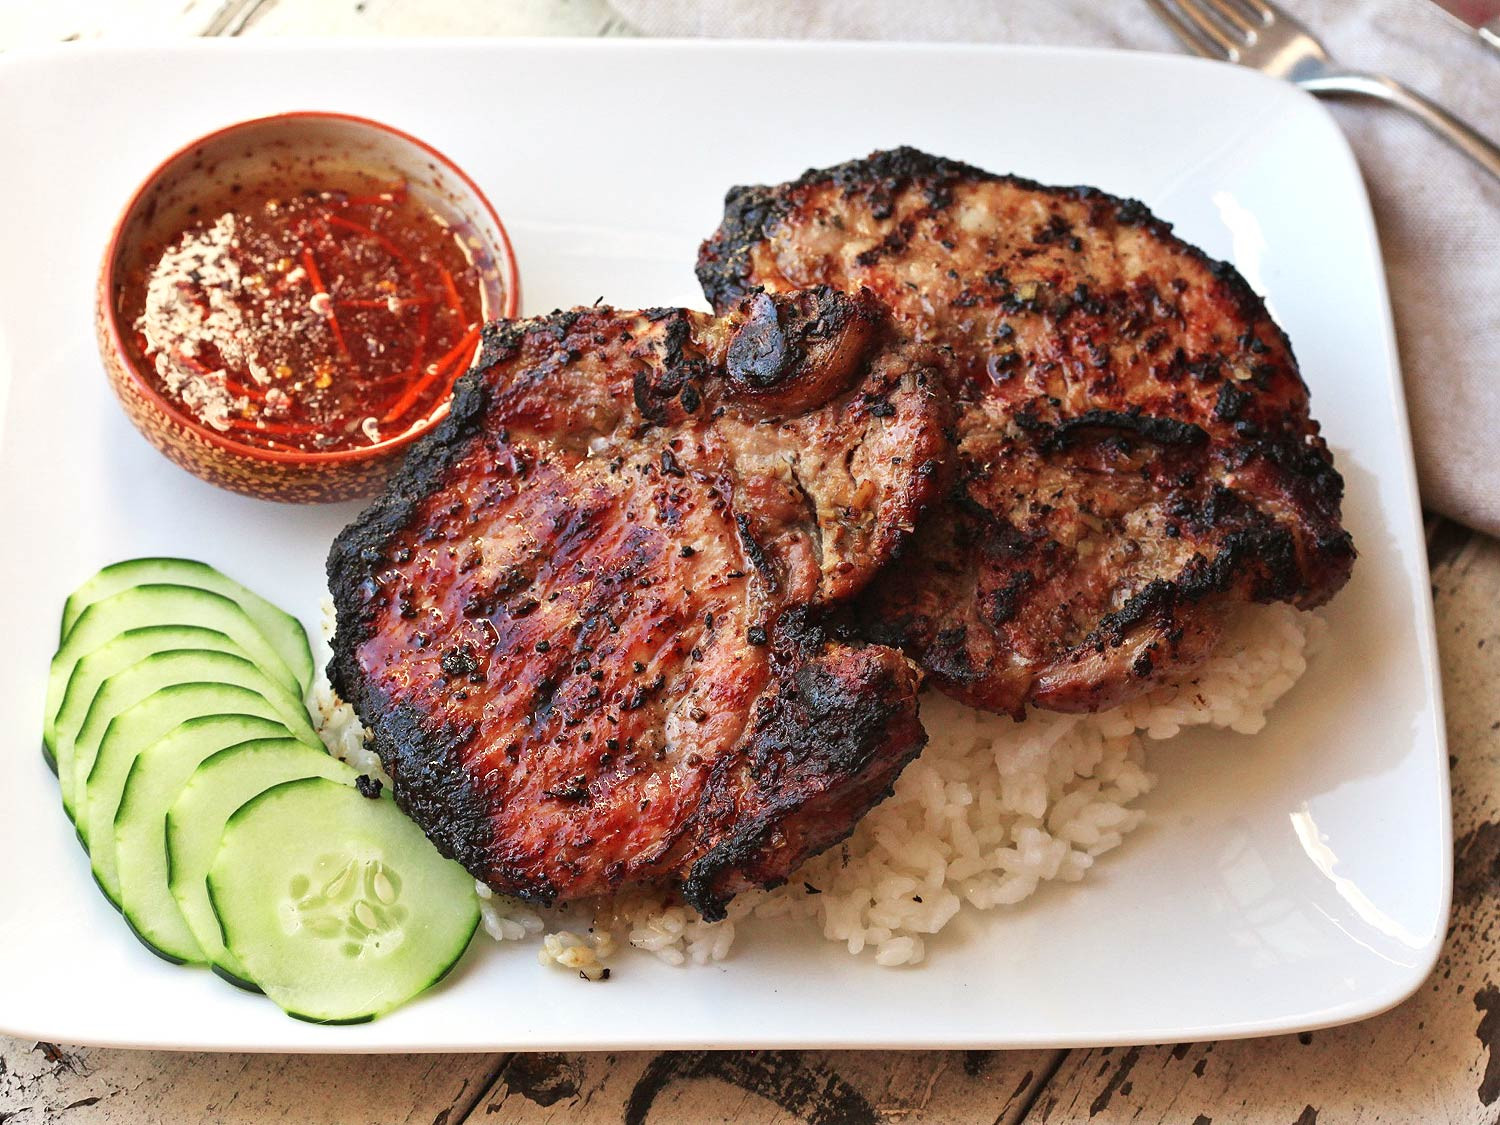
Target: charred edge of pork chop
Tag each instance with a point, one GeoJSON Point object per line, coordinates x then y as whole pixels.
{"type": "Point", "coordinates": [360, 547]}
{"type": "Point", "coordinates": [426, 761]}
{"type": "Point", "coordinates": [1304, 469]}
{"type": "Point", "coordinates": [751, 210]}
{"type": "Point", "coordinates": [842, 714]}
{"type": "Point", "coordinates": [1170, 623]}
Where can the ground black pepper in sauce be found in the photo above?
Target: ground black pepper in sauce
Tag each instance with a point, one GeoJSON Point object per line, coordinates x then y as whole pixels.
{"type": "Point", "coordinates": [313, 320]}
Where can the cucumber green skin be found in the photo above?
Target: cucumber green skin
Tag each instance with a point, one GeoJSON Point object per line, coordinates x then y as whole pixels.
{"type": "Point", "coordinates": [127, 688]}
{"type": "Point", "coordinates": [149, 721]}
{"type": "Point", "coordinates": [142, 606]}
{"type": "Point", "coordinates": [156, 777]}
{"type": "Point", "coordinates": [195, 823]}
{"type": "Point", "coordinates": [274, 836]}
{"type": "Point", "coordinates": [330, 1023]}
{"type": "Point", "coordinates": [283, 630]}
{"type": "Point", "coordinates": [238, 982]}
{"type": "Point", "coordinates": [135, 728]}
{"type": "Point", "coordinates": [126, 650]}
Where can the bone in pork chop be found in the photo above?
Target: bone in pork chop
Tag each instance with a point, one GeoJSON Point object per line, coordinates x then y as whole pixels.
{"type": "Point", "coordinates": [1135, 454]}
{"type": "Point", "coordinates": [583, 623]}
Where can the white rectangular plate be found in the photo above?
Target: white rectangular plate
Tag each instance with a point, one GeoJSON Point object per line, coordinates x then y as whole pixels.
{"type": "Point", "coordinates": [1295, 879]}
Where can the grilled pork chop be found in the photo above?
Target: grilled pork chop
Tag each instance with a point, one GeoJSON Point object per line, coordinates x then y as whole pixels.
{"type": "Point", "coordinates": [1135, 450]}
{"type": "Point", "coordinates": [583, 621]}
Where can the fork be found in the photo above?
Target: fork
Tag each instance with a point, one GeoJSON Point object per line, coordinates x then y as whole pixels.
{"type": "Point", "coordinates": [1257, 34]}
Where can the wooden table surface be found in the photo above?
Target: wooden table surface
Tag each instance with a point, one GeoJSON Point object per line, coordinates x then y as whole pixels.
{"type": "Point", "coordinates": [1435, 1058]}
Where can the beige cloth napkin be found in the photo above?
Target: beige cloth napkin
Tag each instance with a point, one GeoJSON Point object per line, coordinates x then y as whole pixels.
{"type": "Point", "coordinates": [1439, 216]}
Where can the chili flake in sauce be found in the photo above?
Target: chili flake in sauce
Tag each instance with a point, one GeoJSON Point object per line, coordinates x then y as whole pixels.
{"type": "Point", "coordinates": [318, 320]}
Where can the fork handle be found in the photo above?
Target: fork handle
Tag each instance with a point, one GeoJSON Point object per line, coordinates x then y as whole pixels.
{"type": "Point", "coordinates": [1461, 135]}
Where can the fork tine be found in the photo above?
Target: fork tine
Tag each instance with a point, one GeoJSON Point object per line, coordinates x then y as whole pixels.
{"type": "Point", "coordinates": [1211, 28]}
{"type": "Point", "coordinates": [1234, 14]}
{"type": "Point", "coordinates": [1264, 11]}
{"type": "Point", "coordinates": [1190, 38]}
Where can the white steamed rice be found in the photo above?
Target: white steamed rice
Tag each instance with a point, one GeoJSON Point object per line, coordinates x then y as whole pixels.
{"type": "Point", "coordinates": [991, 810]}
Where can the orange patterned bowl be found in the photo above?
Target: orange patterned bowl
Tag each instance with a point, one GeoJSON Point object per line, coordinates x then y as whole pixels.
{"type": "Point", "coordinates": [299, 147]}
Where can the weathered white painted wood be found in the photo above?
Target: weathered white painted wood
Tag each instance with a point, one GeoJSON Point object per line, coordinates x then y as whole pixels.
{"type": "Point", "coordinates": [1435, 1058]}
{"type": "Point", "coordinates": [88, 1086]}
{"type": "Point", "coordinates": [36, 22]}
{"type": "Point", "coordinates": [766, 1087]}
{"type": "Point", "coordinates": [435, 17]}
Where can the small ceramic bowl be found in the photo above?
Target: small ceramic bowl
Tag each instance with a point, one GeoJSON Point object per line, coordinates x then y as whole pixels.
{"type": "Point", "coordinates": [287, 143]}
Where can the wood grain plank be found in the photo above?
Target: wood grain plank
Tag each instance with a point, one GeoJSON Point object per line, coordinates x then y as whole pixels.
{"type": "Point", "coordinates": [43, 1083]}
{"type": "Point", "coordinates": [1434, 1058]}
{"type": "Point", "coordinates": [767, 1087]}
{"type": "Point", "coordinates": [436, 17]}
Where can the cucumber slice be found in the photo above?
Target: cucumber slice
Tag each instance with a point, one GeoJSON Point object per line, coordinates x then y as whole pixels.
{"type": "Point", "coordinates": [283, 630]}
{"type": "Point", "coordinates": [126, 689]}
{"type": "Point", "coordinates": [195, 825]}
{"type": "Point", "coordinates": [126, 650]}
{"type": "Point", "coordinates": [142, 606]}
{"type": "Point", "coordinates": [136, 728]}
{"type": "Point", "coordinates": [156, 777]}
{"type": "Point", "coordinates": [337, 905]}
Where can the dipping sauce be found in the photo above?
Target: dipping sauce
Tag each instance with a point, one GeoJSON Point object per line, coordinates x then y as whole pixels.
{"type": "Point", "coordinates": [315, 319]}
